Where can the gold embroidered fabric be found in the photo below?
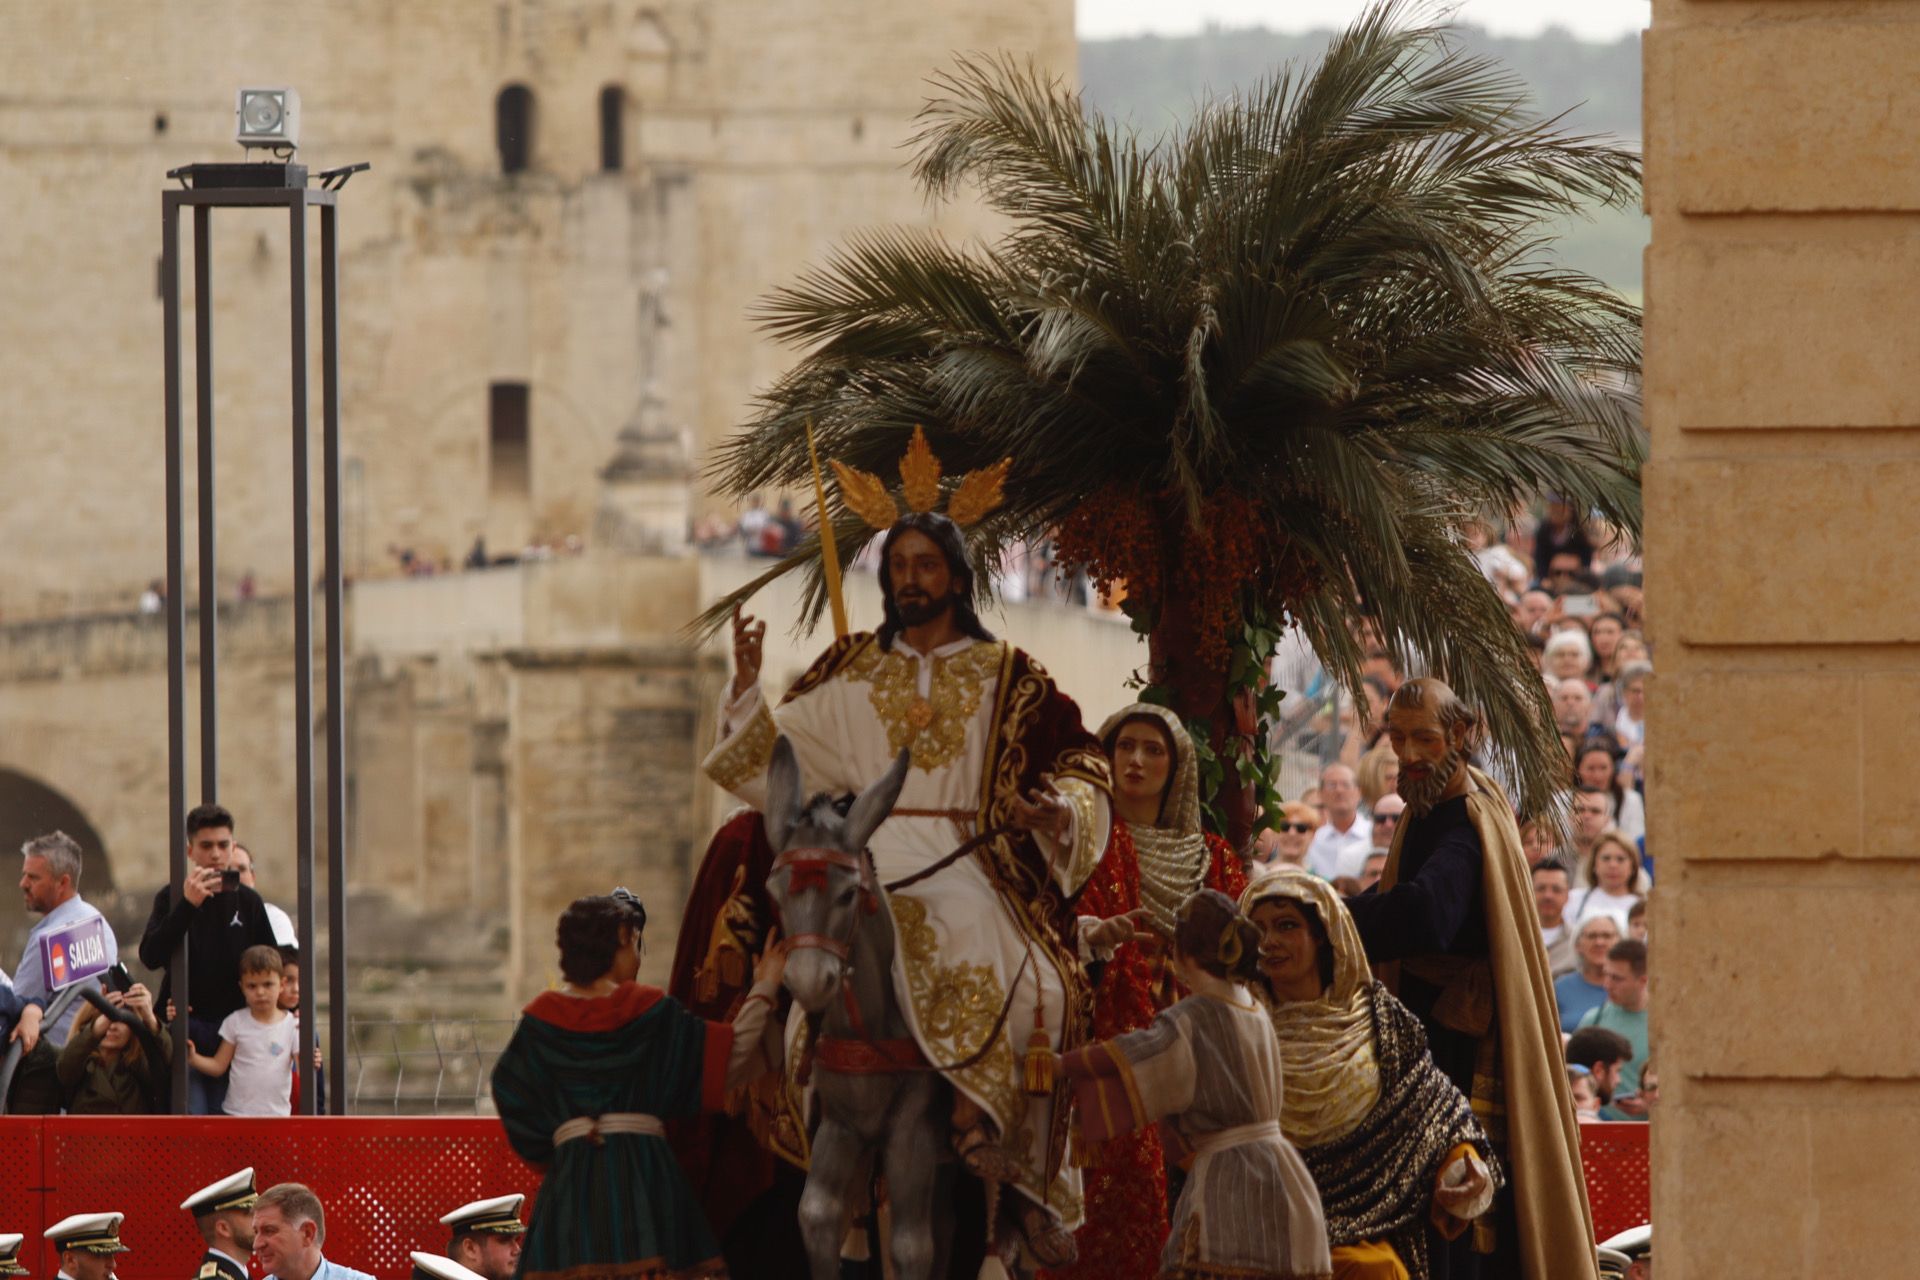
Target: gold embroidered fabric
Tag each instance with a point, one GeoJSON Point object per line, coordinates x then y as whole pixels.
{"type": "Point", "coordinates": [956, 1006]}
{"type": "Point", "coordinates": [1088, 842]}
{"type": "Point", "coordinates": [743, 758]}
{"type": "Point", "coordinates": [935, 728]}
{"type": "Point", "coordinates": [1326, 1045]}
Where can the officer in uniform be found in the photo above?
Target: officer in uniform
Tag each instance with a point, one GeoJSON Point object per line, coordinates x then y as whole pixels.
{"type": "Point", "coordinates": [433, 1266]}
{"type": "Point", "coordinates": [487, 1236]}
{"type": "Point", "coordinates": [10, 1255]}
{"type": "Point", "coordinates": [223, 1211]}
{"type": "Point", "coordinates": [87, 1244]}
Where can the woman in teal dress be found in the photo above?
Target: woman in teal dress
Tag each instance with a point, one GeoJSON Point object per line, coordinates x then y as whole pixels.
{"type": "Point", "coordinates": [593, 1071]}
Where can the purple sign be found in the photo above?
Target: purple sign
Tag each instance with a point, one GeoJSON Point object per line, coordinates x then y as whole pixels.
{"type": "Point", "coordinates": [75, 953]}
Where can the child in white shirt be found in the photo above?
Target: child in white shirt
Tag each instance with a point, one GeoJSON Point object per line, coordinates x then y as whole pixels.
{"type": "Point", "coordinates": [257, 1043]}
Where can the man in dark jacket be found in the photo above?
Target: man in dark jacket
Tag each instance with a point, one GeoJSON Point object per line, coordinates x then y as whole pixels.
{"type": "Point", "coordinates": [219, 918]}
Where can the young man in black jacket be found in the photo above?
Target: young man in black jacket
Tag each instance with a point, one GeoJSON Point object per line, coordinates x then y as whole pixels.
{"type": "Point", "coordinates": [219, 918]}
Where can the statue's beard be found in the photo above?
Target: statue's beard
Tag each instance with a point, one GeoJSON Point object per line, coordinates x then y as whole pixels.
{"type": "Point", "coordinates": [1423, 792]}
{"type": "Point", "coordinates": [919, 610]}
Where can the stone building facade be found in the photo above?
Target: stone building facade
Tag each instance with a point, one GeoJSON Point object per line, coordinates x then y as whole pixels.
{"type": "Point", "coordinates": [1781, 393]}
{"type": "Point", "coordinates": [573, 206]}
{"type": "Point", "coordinates": [547, 277]}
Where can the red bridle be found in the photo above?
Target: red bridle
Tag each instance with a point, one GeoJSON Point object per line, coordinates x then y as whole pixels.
{"type": "Point", "coordinates": [806, 869]}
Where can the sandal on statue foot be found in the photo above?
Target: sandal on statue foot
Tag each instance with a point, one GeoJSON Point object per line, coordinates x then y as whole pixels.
{"type": "Point", "coordinates": [982, 1157]}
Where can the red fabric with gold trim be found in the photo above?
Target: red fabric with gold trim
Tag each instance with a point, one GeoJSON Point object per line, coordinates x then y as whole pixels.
{"type": "Point", "coordinates": [867, 1057]}
{"type": "Point", "coordinates": [1126, 1184]}
{"type": "Point", "coordinates": [726, 1164]}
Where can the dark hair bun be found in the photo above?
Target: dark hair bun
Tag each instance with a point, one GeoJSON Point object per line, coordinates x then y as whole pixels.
{"type": "Point", "coordinates": [1211, 932]}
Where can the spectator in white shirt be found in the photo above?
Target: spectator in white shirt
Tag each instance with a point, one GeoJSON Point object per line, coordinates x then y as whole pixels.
{"type": "Point", "coordinates": [1340, 847]}
{"type": "Point", "coordinates": [1615, 879]}
{"type": "Point", "coordinates": [1551, 887]}
{"type": "Point", "coordinates": [283, 934]}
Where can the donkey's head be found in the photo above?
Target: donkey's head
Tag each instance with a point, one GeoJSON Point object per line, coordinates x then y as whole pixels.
{"type": "Point", "coordinates": [822, 881]}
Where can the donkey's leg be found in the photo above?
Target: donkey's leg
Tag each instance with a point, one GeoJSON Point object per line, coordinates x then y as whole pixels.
{"type": "Point", "coordinates": [823, 1205]}
{"type": "Point", "coordinates": [913, 1151]}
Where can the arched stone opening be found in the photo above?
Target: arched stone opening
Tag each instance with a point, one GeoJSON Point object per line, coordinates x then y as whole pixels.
{"type": "Point", "coordinates": [29, 808]}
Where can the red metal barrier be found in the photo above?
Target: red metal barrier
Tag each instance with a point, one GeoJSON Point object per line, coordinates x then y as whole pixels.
{"type": "Point", "coordinates": [1614, 1157]}
{"type": "Point", "coordinates": [385, 1182]}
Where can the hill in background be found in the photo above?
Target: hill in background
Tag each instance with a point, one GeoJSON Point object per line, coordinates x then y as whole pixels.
{"type": "Point", "coordinates": [1154, 82]}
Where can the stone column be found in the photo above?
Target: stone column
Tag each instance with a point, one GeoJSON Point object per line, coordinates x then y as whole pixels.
{"type": "Point", "coordinates": [1783, 393]}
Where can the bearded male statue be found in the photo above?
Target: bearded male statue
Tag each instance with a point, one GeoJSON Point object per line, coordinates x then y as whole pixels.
{"type": "Point", "coordinates": [1452, 930]}
{"type": "Point", "coordinates": [988, 969]}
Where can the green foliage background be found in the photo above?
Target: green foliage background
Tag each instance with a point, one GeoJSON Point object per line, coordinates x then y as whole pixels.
{"type": "Point", "coordinates": [1153, 82]}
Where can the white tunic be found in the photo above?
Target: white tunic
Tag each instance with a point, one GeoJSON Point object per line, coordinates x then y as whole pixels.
{"type": "Point", "coordinates": [960, 943]}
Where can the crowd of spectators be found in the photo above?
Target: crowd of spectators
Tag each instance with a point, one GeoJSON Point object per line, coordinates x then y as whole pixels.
{"type": "Point", "coordinates": [1574, 593]}
{"type": "Point", "coordinates": [79, 1035]}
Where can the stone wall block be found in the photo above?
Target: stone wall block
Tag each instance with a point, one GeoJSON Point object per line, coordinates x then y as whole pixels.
{"type": "Point", "coordinates": [1797, 799]}
{"type": "Point", "coordinates": [1790, 969]}
{"type": "Point", "coordinates": [1765, 332]}
{"type": "Point", "coordinates": [1890, 761]}
{"type": "Point", "coordinates": [1770, 115]}
{"type": "Point", "coordinates": [1754, 539]}
{"type": "Point", "coordinates": [1757, 1160]}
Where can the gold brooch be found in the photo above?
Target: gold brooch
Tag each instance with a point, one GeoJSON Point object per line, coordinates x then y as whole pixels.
{"type": "Point", "coordinates": [977, 494]}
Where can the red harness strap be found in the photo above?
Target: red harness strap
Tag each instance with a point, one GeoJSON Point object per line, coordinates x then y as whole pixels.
{"type": "Point", "coordinates": [868, 1057]}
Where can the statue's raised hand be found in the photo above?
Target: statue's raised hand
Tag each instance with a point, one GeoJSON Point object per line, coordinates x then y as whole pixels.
{"type": "Point", "coordinates": [749, 637]}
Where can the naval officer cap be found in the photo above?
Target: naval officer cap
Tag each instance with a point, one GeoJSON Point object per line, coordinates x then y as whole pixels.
{"type": "Point", "coordinates": [88, 1233]}
{"type": "Point", "coordinates": [235, 1191]}
{"type": "Point", "coordinates": [499, 1216]}
{"type": "Point", "coordinates": [10, 1255]}
{"type": "Point", "coordinates": [438, 1266]}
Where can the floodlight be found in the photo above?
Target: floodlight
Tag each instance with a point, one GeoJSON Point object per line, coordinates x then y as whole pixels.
{"type": "Point", "coordinates": [267, 118]}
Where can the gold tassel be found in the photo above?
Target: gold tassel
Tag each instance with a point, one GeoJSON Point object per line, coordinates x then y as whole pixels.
{"type": "Point", "coordinates": [1082, 1154]}
{"type": "Point", "coordinates": [1039, 1063]}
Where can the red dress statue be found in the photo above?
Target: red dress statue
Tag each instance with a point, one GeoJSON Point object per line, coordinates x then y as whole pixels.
{"type": "Point", "coordinates": [1151, 866]}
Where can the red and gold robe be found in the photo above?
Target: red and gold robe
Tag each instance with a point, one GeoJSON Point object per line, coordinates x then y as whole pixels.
{"type": "Point", "coordinates": [1126, 1178]}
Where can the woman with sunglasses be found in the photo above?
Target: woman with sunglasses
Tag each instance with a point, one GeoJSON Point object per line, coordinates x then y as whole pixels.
{"type": "Point", "coordinates": [1285, 843]}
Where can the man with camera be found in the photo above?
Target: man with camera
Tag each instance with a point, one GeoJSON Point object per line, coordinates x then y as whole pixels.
{"type": "Point", "coordinates": [219, 918]}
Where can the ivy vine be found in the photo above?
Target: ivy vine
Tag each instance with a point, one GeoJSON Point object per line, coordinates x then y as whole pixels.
{"type": "Point", "coordinates": [1249, 659]}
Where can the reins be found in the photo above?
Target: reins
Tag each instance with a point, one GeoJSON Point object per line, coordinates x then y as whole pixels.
{"type": "Point", "coordinates": [810, 864]}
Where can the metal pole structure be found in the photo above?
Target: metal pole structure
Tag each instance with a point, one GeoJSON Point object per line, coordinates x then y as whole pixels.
{"type": "Point", "coordinates": [176, 626]}
{"type": "Point", "coordinates": [242, 190]}
{"type": "Point", "coordinates": [336, 666]}
{"type": "Point", "coordinates": [209, 587]}
{"type": "Point", "coordinates": [302, 632]}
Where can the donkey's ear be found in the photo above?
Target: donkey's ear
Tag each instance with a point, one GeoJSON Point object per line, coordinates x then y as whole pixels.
{"type": "Point", "coordinates": [875, 803]}
{"type": "Point", "coordinates": [784, 795]}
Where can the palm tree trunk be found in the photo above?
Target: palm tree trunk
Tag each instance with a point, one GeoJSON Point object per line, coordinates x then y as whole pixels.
{"type": "Point", "coordinates": [1200, 693]}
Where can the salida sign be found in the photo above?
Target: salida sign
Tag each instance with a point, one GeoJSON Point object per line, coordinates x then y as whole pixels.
{"type": "Point", "coordinates": [75, 953]}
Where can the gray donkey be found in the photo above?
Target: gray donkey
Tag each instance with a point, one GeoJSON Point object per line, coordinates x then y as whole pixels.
{"type": "Point", "coordinates": [877, 1097]}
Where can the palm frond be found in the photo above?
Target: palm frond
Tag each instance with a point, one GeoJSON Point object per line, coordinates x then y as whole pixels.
{"type": "Point", "coordinates": [1333, 295]}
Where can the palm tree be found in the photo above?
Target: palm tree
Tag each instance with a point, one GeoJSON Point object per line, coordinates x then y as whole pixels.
{"type": "Point", "coordinates": [1262, 370]}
